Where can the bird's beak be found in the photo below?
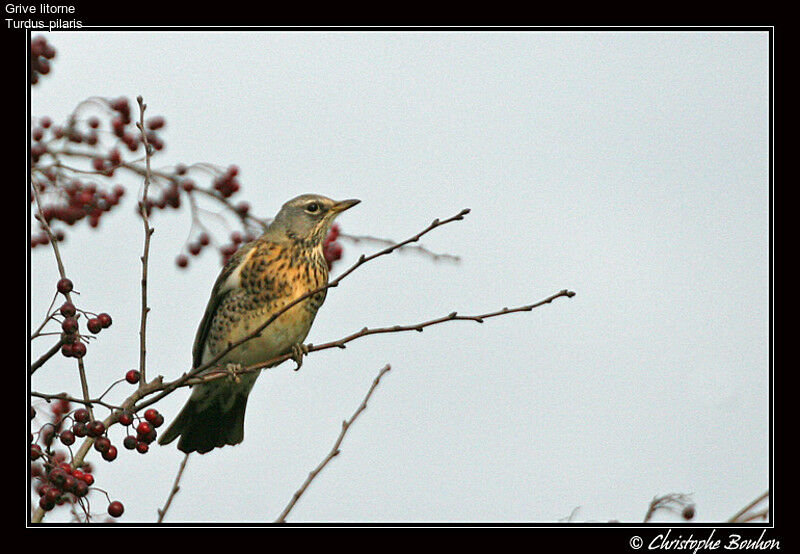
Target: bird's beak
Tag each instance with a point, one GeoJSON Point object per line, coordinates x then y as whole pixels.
{"type": "Point", "coordinates": [339, 207]}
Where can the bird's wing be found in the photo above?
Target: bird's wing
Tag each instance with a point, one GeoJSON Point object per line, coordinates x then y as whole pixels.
{"type": "Point", "coordinates": [227, 281]}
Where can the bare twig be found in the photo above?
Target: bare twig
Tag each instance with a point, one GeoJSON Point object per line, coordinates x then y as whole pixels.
{"type": "Point", "coordinates": [62, 272]}
{"type": "Point", "coordinates": [673, 502]}
{"type": "Point", "coordinates": [418, 248]}
{"type": "Point", "coordinates": [46, 356]}
{"type": "Point", "coordinates": [148, 231]}
{"type": "Point", "coordinates": [335, 450]}
{"type": "Point", "coordinates": [175, 488]}
{"type": "Point", "coordinates": [742, 516]}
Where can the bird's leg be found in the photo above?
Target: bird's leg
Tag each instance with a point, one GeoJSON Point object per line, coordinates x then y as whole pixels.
{"type": "Point", "coordinates": [233, 372]}
{"type": "Point", "coordinates": [298, 351]}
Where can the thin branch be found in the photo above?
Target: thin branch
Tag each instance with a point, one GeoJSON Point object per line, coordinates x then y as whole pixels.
{"type": "Point", "coordinates": [189, 379]}
{"type": "Point", "coordinates": [148, 231]}
{"type": "Point", "coordinates": [335, 450]}
{"type": "Point", "coordinates": [175, 488]}
{"type": "Point", "coordinates": [742, 516]}
{"type": "Point", "coordinates": [673, 502]}
{"type": "Point", "coordinates": [418, 248]}
{"type": "Point", "coordinates": [62, 272]}
{"type": "Point", "coordinates": [46, 356]}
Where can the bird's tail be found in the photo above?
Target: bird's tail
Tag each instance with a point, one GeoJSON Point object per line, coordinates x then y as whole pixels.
{"type": "Point", "coordinates": [208, 422]}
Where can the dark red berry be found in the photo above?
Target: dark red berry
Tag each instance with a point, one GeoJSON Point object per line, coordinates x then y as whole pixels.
{"type": "Point", "coordinates": [110, 454]}
{"type": "Point", "coordinates": [67, 309]}
{"type": "Point", "coordinates": [81, 415]}
{"type": "Point", "coordinates": [142, 447]}
{"type": "Point", "coordinates": [129, 442]}
{"type": "Point", "coordinates": [69, 325]}
{"type": "Point", "coordinates": [95, 428]}
{"type": "Point", "coordinates": [158, 421]}
{"type": "Point", "coordinates": [102, 444]}
{"type": "Point", "coordinates": [182, 260]}
{"type": "Point", "coordinates": [151, 415]}
{"type": "Point", "coordinates": [116, 509]}
{"type": "Point", "coordinates": [46, 504]}
{"type": "Point", "coordinates": [105, 320]}
{"type": "Point", "coordinates": [125, 418]}
{"type": "Point", "coordinates": [67, 437]}
{"type": "Point", "coordinates": [94, 325]}
{"type": "Point", "coordinates": [132, 377]}
{"type": "Point", "coordinates": [64, 286]}
{"type": "Point", "coordinates": [79, 429]}
{"type": "Point", "coordinates": [144, 428]}
{"type": "Point", "coordinates": [66, 350]}
{"type": "Point", "coordinates": [88, 478]}
{"type": "Point", "coordinates": [78, 350]}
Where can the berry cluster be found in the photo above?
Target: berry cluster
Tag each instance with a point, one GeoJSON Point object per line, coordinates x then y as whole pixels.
{"type": "Point", "coordinates": [227, 184]}
{"type": "Point", "coordinates": [56, 481]}
{"type": "Point", "coordinates": [145, 430]}
{"type": "Point", "coordinates": [41, 54]}
{"type": "Point", "coordinates": [76, 200]}
{"type": "Point", "coordinates": [72, 345]}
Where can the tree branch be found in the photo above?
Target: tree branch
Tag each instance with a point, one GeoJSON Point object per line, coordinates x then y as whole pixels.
{"type": "Point", "coordinates": [175, 488]}
{"type": "Point", "coordinates": [148, 231]}
{"type": "Point", "coordinates": [335, 450]}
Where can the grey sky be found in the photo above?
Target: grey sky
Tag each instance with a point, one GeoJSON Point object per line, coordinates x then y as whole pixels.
{"type": "Point", "coordinates": [631, 168]}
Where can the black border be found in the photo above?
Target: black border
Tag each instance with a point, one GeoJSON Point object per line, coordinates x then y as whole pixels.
{"type": "Point", "coordinates": [102, 20]}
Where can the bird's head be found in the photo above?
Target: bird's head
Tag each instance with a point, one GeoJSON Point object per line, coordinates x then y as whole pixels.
{"type": "Point", "coordinates": [309, 217]}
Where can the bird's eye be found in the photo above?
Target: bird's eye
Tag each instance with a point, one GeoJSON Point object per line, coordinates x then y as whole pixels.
{"type": "Point", "coordinates": [312, 208]}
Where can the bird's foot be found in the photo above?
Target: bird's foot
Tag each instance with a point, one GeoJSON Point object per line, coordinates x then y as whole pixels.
{"type": "Point", "coordinates": [298, 351]}
{"type": "Point", "coordinates": [233, 372]}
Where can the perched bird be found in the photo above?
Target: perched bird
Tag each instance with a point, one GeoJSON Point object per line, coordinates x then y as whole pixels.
{"type": "Point", "coordinates": [260, 279]}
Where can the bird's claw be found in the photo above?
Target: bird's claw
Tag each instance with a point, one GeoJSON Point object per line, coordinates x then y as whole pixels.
{"type": "Point", "coordinates": [298, 351]}
{"type": "Point", "coordinates": [233, 372]}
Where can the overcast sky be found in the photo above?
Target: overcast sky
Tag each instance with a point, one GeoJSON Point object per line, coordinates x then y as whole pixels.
{"type": "Point", "coordinates": [631, 168]}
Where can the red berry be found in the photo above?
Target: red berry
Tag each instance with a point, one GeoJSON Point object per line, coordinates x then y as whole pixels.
{"type": "Point", "coordinates": [116, 509]}
{"type": "Point", "coordinates": [79, 429]}
{"type": "Point", "coordinates": [151, 415]}
{"type": "Point", "coordinates": [69, 325]}
{"type": "Point", "coordinates": [142, 447]}
{"type": "Point", "coordinates": [67, 309]}
{"type": "Point", "coordinates": [66, 350]}
{"type": "Point", "coordinates": [81, 488]}
{"type": "Point", "coordinates": [64, 285]}
{"type": "Point", "coordinates": [110, 454]}
{"type": "Point", "coordinates": [95, 428]}
{"type": "Point", "coordinates": [144, 428]}
{"type": "Point", "coordinates": [88, 478]}
{"type": "Point", "coordinates": [132, 377]}
{"type": "Point", "coordinates": [46, 504]}
{"type": "Point", "coordinates": [78, 350]}
{"type": "Point", "coordinates": [67, 437]}
{"type": "Point", "coordinates": [105, 320]}
{"type": "Point", "coordinates": [155, 123]}
{"type": "Point", "coordinates": [158, 421]}
{"type": "Point", "coordinates": [182, 261]}
{"type": "Point", "coordinates": [81, 415]}
{"type": "Point", "coordinates": [204, 239]}
{"type": "Point", "coordinates": [129, 442]}
{"type": "Point", "coordinates": [102, 444]}
{"type": "Point", "coordinates": [125, 418]}
{"type": "Point", "coordinates": [194, 248]}
{"type": "Point", "coordinates": [94, 325]}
